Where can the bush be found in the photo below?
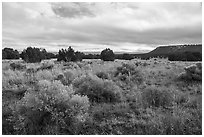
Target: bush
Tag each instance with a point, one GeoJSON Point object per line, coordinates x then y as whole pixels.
{"type": "Point", "coordinates": [46, 65]}
{"type": "Point", "coordinates": [193, 72]}
{"type": "Point", "coordinates": [97, 90]}
{"type": "Point", "coordinates": [50, 109]}
{"type": "Point", "coordinates": [12, 80]}
{"type": "Point", "coordinates": [180, 123]}
{"type": "Point", "coordinates": [68, 77]}
{"type": "Point", "coordinates": [157, 97]}
{"type": "Point", "coordinates": [9, 53]}
{"type": "Point", "coordinates": [80, 106]}
{"type": "Point", "coordinates": [44, 75]}
{"type": "Point", "coordinates": [108, 119]}
{"type": "Point", "coordinates": [70, 65]}
{"type": "Point", "coordinates": [129, 73]}
{"type": "Point", "coordinates": [17, 66]}
{"type": "Point", "coordinates": [125, 69]}
{"type": "Point", "coordinates": [107, 55]}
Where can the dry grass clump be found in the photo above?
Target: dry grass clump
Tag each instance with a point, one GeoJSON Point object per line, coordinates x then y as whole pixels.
{"type": "Point", "coordinates": [192, 73]}
{"type": "Point", "coordinates": [17, 66]}
{"type": "Point", "coordinates": [157, 97]}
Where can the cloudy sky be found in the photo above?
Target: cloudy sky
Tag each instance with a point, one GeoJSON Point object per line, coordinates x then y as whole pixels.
{"type": "Point", "coordinates": [126, 27]}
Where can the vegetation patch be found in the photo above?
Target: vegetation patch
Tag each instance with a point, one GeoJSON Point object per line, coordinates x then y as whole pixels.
{"type": "Point", "coordinates": [96, 97]}
{"type": "Point", "coordinates": [17, 66]}
{"type": "Point", "coordinates": [157, 97]}
{"type": "Point", "coordinates": [97, 90]}
{"type": "Point", "coordinates": [129, 73]}
{"type": "Point", "coordinates": [51, 106]}
{"type": "Point", "coordinates": [192, 73]}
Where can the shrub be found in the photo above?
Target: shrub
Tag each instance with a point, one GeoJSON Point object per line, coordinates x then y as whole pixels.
{"type": "Point", "coordinates": [129, 72]}
{"type": "Point", "coordinates": [44, 75]}
{"type": "Point", "coordinates": [80, 65]}
{"type": "Point", "coordinates": [157, 97]}
{"type": "Point", "coordinates": [30, 71]}
{"type": "Point", "coordinates": [51, 107]}
{"type": "Point", "coordinates": [17, 66]}
{"type": "Point", "coordinates": [107, 55]}
{"type": "Point", "coordinates": [56, 71]}
{"type": "Point", "coordinates": [5, 66]}
{"type": "Point", "coordinates": [96, 89]}
{"type": "Point", "coordinates": [172, 125]}
{"type": "Point", "coordinates": [46, 65]}
{"type": "Point", "coordinates": [134, 98]}
{"type": "Point", "coordinates": [193, 72]}
{"type": "Point", "coordinates": [80, 106]}
{"type": "Point", "coordinates": [68, 77]}
{"type": "Point", "coordinates": [107, 119]}
{"type": "Point", "coordinates": [182, 122]}
{"type": "Point", "coordinates": [12, 80]}
{"type": "Point", "coordinates": [70, 65]}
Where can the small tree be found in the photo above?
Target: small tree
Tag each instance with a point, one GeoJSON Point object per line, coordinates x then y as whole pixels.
{"type": "Point", "coordinates": [32, 55]}
{"type": "Point", "coordinates": [9, 53]}
{"type": "Point", "coordinates": [107, 55]}
{"type": "Point", "coordinates": [69, 55]}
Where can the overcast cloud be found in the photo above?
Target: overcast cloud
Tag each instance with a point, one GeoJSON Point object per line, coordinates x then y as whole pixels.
{"type": "Point", "coordinates": [129, 27]}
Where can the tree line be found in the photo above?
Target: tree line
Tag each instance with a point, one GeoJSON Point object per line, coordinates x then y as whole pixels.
{"type": "Point", "coordinates": [32, 55]}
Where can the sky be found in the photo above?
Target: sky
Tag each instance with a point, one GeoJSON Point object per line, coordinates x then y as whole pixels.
{"type": "Point", "coordinates": [88, 26]}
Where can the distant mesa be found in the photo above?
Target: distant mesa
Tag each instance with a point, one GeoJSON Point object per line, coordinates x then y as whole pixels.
{"type": "Point", "coordinates": [176, 50]}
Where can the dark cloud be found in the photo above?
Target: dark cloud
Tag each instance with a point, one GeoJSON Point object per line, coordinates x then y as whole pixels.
{"type": "Point", "coordinates": [72, 10]}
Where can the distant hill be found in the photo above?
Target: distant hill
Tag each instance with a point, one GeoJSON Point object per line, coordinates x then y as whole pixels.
{"type": "Point", "coordinates": [165, 51]}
